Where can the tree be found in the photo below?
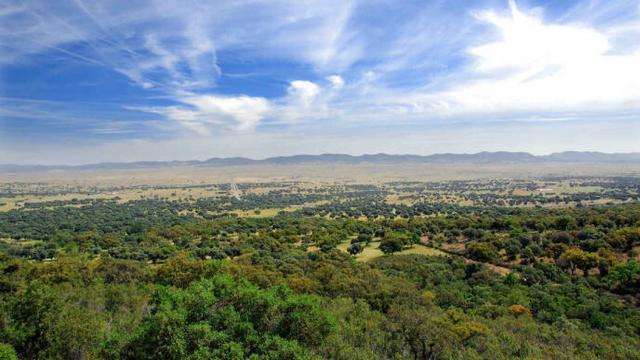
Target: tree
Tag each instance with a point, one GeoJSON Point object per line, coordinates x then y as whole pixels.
{"type": "Point", "coordinates": [624, 239]}
{"type": "Point", "coordinates": [555, 250]}
{"type": "Point", "coordinates": [181, 270]}
{"type": "Point", "coordinates": [569, 259]}
{"type": "Point", "coordinates": [389, 246]}
{"type": "Point", "coordinates": [576, 258]}
{"type": "Point", "coordinates": [482, 251]}
{"type": "Point", "coordinates": [513, 249]}
{"type": "Point", "coordinates": [364, 237]}
{"type": "Point", "coordinates": [565, 222]}
{"type": "Point", "coordinates": [223, 318]}
{"type": "Point", "coordinates": [355, 249]}
{"type": "Point", "coordinates": [7, 352]}
{"type": "Point", "coordinates": [413, 327]}
{"type": "Point", "coordinates": [588, 261]}
{"type": "Point", "coordinates": [625, 278]}
{"type": "Point", "coordinates": [607, 261]}
{"type": "Point", "coordinates": [396, 241]}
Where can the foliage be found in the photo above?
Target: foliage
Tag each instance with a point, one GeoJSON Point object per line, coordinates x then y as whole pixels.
{"type": "Point", "coordinates": [142, 280]}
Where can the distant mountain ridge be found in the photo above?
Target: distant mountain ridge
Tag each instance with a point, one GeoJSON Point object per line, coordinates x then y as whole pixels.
{"type": "Point", "coordinates": [485, 157]}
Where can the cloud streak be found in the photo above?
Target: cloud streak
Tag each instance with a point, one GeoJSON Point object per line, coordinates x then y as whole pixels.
{"type": "Point", "coordinates": [322, 68]}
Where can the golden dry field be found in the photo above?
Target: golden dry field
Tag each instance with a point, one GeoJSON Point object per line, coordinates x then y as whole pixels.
{"type": "Point", "coordinates": [187, 184]}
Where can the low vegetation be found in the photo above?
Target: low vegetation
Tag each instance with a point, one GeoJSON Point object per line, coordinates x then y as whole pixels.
{"type": "Point", "coordinates": [354, 277]}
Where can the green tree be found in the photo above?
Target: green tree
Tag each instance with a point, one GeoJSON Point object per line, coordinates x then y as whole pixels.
{"type": "Point", "coordinates": [355, 249]}
{"type": "Point", "coordinates": [389, 246]}
{"type": "Point", "coordinates": [576, 258]}
{"type": "Point", "coordinates": [625, 278]}
{"type": "Point", "coordinates": [7, 352]}
{"type": "Point", "coordinates": [482, 251]}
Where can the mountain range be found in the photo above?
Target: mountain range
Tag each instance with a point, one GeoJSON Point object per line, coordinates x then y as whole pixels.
{"type": "Point", "coordinates": [499, 157]}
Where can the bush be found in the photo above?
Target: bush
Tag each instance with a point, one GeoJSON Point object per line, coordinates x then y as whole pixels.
{"type": "Point", "coordinates": [519, 310]}
{"type": "Point", "coordinates": [355, 249]}
{"type": "Point", "coordinates": [7, 352]}
{"type": "Point", "coordinates": [482, 251]}
{"type": "Point", "coordinates": [389, 246]}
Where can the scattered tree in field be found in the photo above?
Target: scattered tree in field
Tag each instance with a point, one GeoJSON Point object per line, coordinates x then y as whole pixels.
{"type": "Point", "coordinates": [390, 246]}
{"type": "Point", "coordinates": [355, 248]}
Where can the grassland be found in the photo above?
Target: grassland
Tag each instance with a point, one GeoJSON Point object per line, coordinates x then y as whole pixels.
{"type": "Point", "coordinates": [371, 251]}
{"type": "Point", "coordinates": [459, 184]}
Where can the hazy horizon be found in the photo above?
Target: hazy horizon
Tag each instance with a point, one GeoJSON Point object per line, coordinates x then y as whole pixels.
{"type": "Point", "coordinates": [113, 81]}
{"type": "Point", "coordinates": [355, 155]}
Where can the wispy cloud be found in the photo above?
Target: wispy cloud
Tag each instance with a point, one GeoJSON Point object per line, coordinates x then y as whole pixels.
{"type": "Point", "coordinates": [173, 44]}
{"type": "Point", "coordinates": [327, 67]}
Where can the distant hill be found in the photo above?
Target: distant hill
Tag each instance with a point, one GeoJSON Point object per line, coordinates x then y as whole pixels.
{"type": "Point", "coordinates": [499, 157]}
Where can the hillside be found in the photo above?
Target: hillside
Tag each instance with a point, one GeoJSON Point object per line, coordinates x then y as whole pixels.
{"type": "Point", "coordinates": [499, 157]}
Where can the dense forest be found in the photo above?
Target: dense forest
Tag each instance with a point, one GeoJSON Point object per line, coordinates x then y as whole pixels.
{"type": "Point", "coordinates": [155, 279]}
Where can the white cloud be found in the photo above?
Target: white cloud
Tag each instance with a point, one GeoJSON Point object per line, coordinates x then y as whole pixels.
{"type": "Point", "coordinates": [305, 101]}
{"type": "Point", "coordinates": [308, 102]}
{"type": "Point", "coordinates": [431, 62]}
{"type": "Point", "coordinates": [318, 32]}
{"type": "Point", "coordinates": [528, 44]}
{"type": "Point", "coordinates": [540, 67]}
{"type": "Point", "coordinates": [336, 81]}
{"type": "Point", "coordinates": [203, 113]}
{"type": "Point", "coordinates": [173, 44]}
{"type": "Point", "coordinates": [302, 92]}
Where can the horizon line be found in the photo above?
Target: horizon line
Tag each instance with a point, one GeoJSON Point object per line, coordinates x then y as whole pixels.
{"type": "Point", "coordinates": [312, 154]}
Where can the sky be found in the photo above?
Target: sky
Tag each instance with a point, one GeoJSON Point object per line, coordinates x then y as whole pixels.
{"type": "Point", "coordinates": [92, 81]}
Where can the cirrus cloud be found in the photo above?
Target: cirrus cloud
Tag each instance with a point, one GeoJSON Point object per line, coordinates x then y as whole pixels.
{"type": "Point", "coordinates": [162, 69]}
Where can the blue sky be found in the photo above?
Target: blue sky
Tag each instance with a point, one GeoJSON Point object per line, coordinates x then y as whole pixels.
{"type": "Point", "coordinates": [89, 81]}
